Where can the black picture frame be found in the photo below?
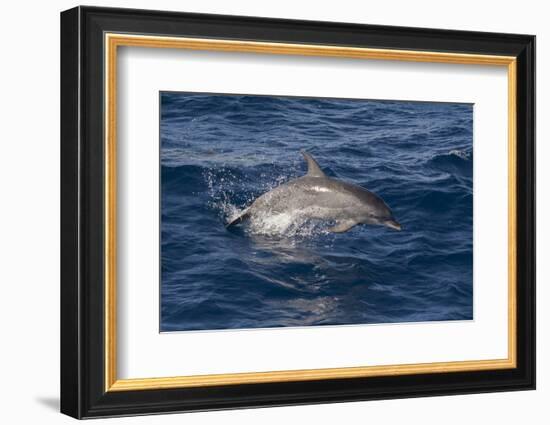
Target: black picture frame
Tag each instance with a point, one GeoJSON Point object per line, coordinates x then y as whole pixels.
{"type": "Point", "coordinates": [83, 392]}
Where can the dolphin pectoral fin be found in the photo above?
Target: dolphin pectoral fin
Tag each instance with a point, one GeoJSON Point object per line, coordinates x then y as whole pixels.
{"type": "Point", "coordinates": [343, 226]}
{"type": "Point", "coordinates": [242, 216]}
{"type": "Point", "coordinates": [313, 169]}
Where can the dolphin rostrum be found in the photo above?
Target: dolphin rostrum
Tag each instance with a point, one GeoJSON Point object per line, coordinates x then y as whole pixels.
{"type": "Point", "coordinates": [317, 196]}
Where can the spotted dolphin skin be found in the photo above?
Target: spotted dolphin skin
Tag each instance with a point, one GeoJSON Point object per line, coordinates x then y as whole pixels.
{"type": "Point", "coordinates": [317, 196]}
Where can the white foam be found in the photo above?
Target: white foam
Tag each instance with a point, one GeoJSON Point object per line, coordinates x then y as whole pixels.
{"type": "Point", "coordinates": [461, 153]}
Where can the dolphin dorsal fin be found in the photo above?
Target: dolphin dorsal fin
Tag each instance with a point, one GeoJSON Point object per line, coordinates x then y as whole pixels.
{"type": "Point", "coordinates": [313, 169]}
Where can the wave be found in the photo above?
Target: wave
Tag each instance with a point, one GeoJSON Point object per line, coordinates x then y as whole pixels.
{"type": "Point", "coordinates": [458, 162]}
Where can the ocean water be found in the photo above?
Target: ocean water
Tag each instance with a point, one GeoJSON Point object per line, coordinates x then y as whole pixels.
{"type": "Point", "coordinates": [219, 152]}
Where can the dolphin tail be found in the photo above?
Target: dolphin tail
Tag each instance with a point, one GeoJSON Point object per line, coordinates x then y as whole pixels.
{"type": "Point", "coordinates": [244, 214]}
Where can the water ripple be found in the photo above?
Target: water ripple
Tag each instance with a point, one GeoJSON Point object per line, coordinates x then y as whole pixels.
{"type": "Point", "coordinates": [218, 153]}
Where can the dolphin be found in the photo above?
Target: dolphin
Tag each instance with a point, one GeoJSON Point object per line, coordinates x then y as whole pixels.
{"type": "Point", "coordinates": [317, 196]}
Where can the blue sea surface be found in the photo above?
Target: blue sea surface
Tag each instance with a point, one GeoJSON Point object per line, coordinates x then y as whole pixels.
{"type": "Point", "coordinates": [219, 152]}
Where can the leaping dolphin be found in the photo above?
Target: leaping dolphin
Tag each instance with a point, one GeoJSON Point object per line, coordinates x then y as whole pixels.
{"type": "Point", "coordinates": [317, 196]}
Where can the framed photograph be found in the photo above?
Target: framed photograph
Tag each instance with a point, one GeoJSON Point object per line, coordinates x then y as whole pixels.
{"type": "Point", "coordinates": [261, 212]}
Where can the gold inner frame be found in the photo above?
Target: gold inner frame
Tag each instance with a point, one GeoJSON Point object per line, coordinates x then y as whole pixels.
{"type": "Point", "coordinates": [113, 41]}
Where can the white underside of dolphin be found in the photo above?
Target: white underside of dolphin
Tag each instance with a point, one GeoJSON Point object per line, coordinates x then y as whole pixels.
{"type": "Point", "coordinates": [319, 197]}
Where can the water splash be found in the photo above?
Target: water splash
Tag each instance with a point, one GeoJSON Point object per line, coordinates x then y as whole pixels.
{"type": "Point", "coordinates": [223, 185]}
{"type": "Point", "coordinates": [289, 225]}
{"type": "Point", "coordinates": [228, 200]}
